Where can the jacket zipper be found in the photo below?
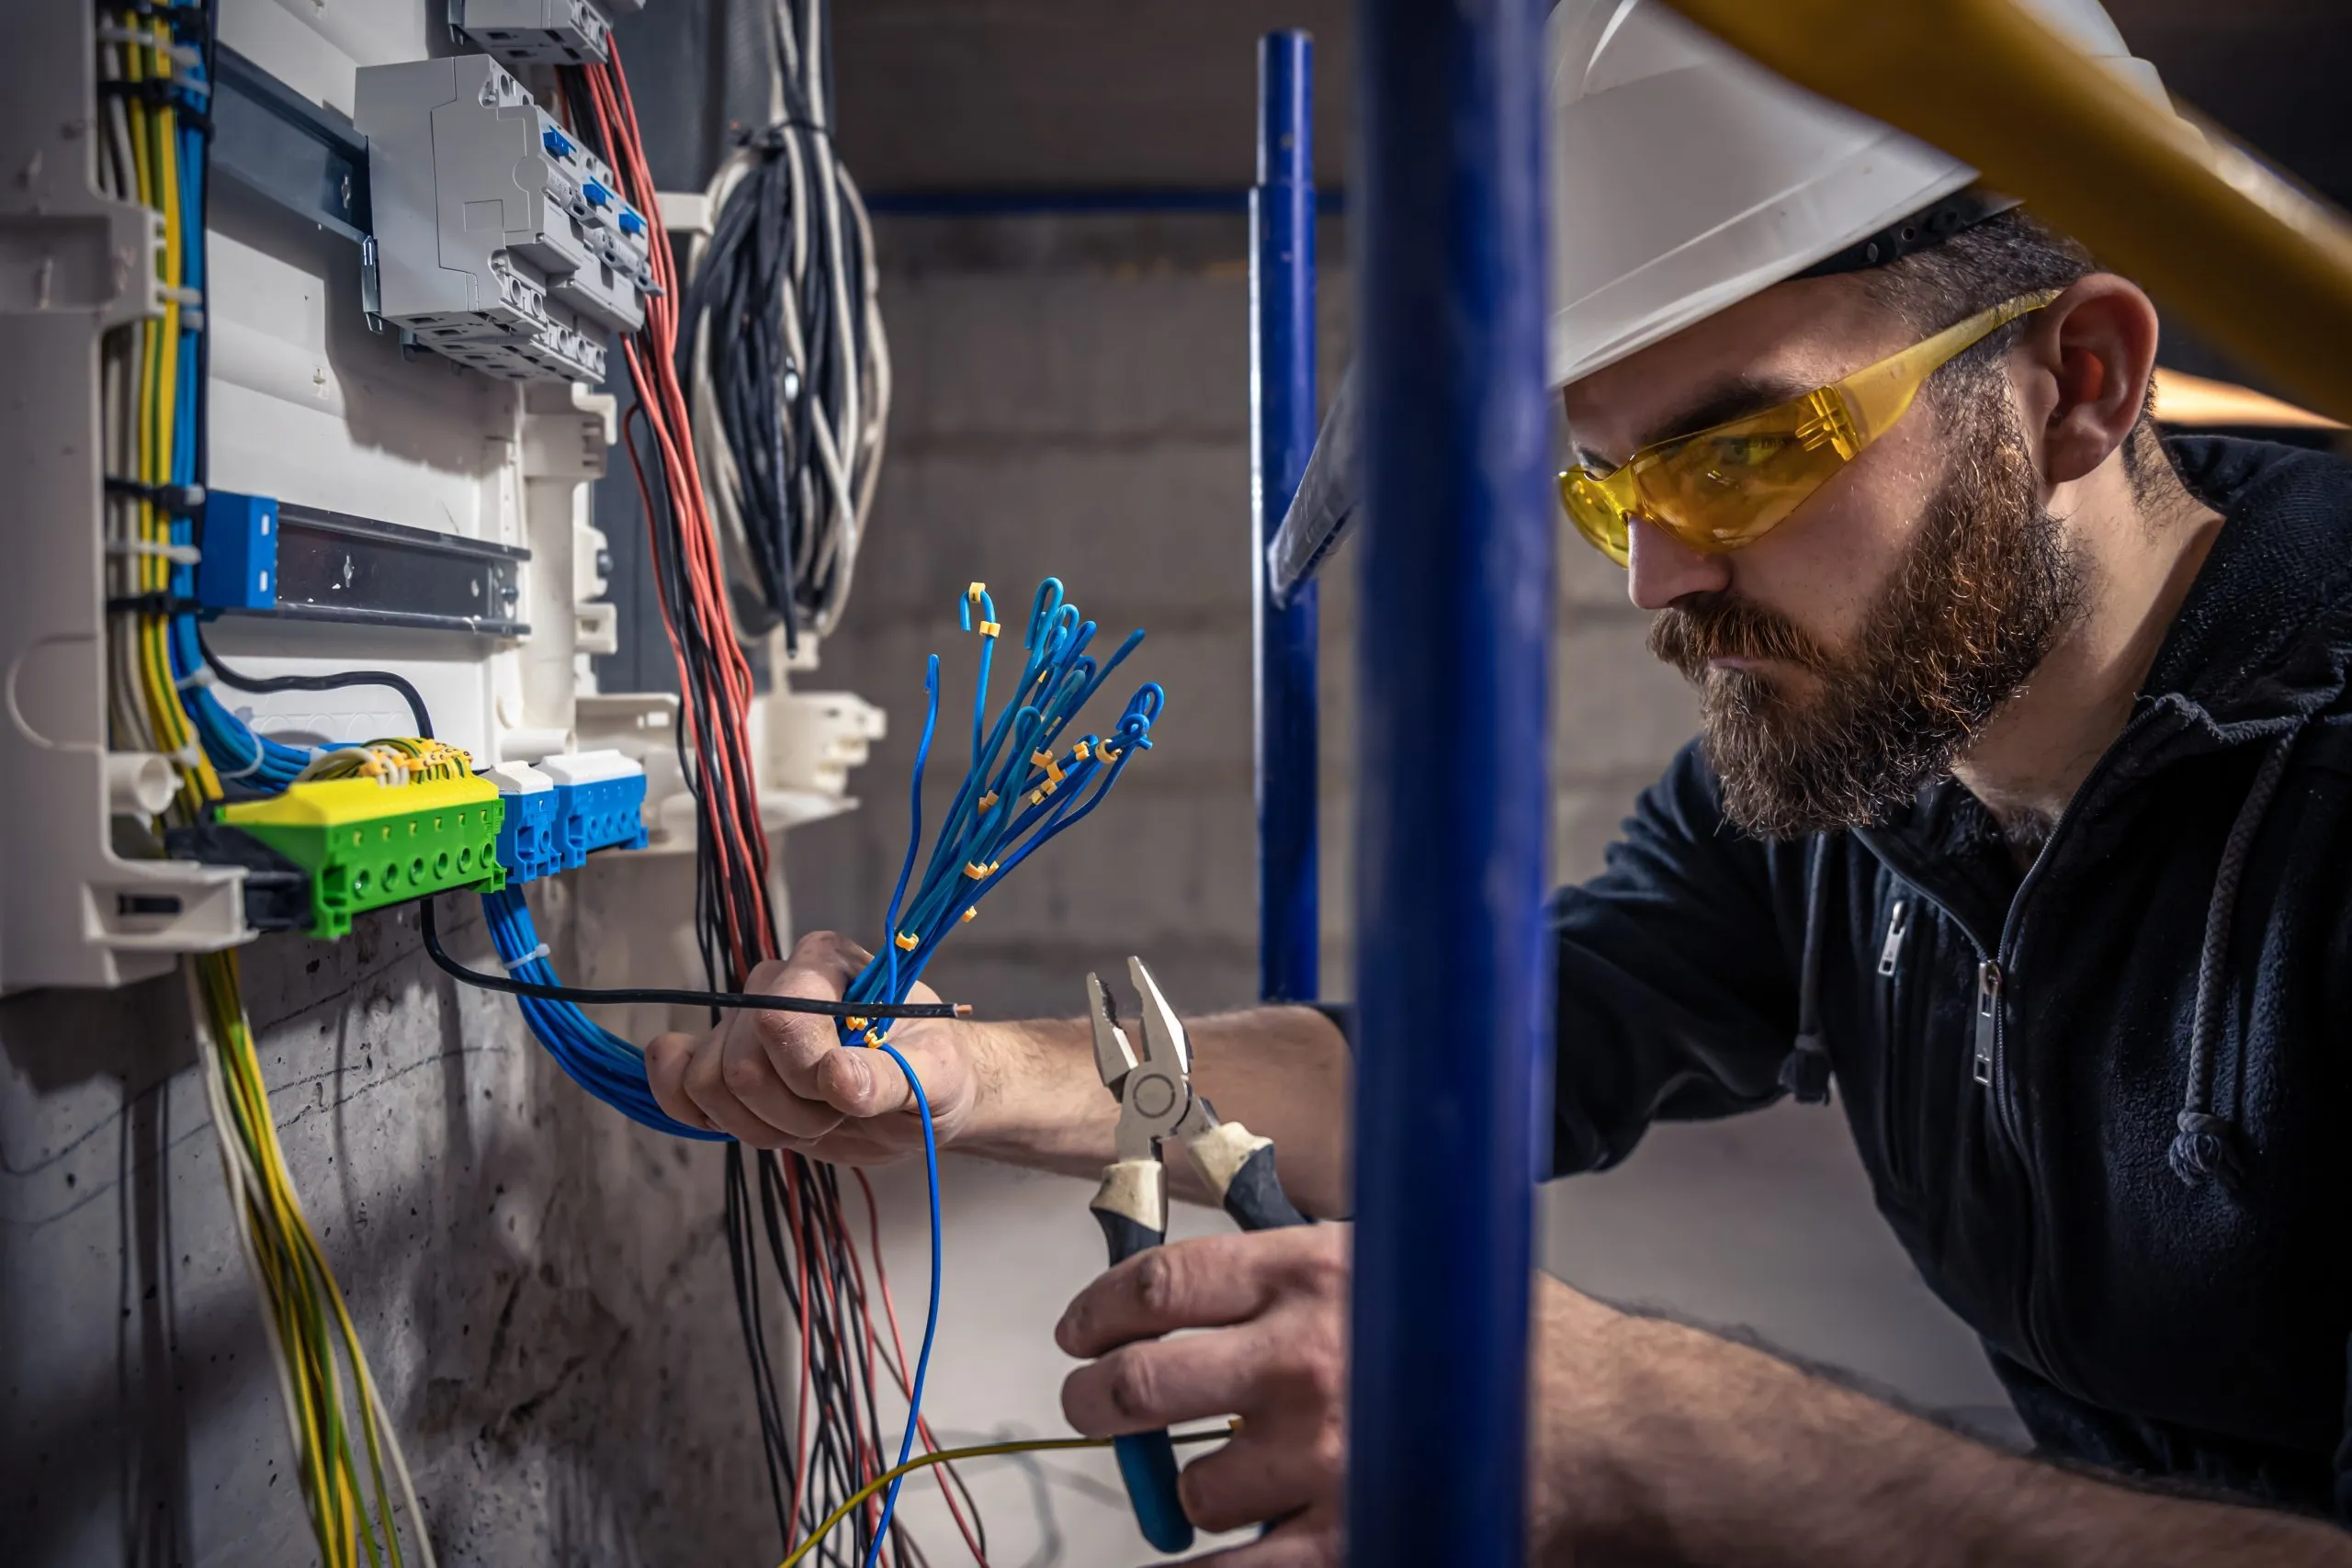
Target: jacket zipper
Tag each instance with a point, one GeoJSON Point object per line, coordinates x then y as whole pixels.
{"type": "Point", "coordinates": [1898, 925]}
{"type": "Point", "coordinates": [1895, 1094]}
{"type": "Point", "coordinates": [1988, 1024]}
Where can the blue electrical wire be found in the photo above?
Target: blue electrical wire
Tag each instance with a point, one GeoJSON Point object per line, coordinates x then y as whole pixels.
{"type": "Point", "coordinates": [931, 1315]}
{"type": "Point", "coordinates": [607, 1067]}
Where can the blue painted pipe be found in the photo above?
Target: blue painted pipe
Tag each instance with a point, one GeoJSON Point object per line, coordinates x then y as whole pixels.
{"type": "Point", "coordinates": [1452, 971]}
{"type": "Point", "coordinates": [1283, 415]}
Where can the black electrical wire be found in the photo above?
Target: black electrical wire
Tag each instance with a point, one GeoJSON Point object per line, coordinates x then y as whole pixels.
{"type": "Point", "coordinates": [661, 996]}
{"type": "Point", "coordinates": [785, 238]}
{"type": "Point", "coordinates": [336, 683]}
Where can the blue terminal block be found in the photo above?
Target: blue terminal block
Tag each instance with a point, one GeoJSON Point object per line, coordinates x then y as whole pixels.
{"type": "Point", "coordinates": [599, 804]}
{"type": "Point", "coordinates": [238, 569]}
{"type": "Point", "coordinates": [527, 844]}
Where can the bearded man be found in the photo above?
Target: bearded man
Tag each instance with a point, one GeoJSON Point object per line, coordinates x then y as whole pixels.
{"type": "Point", "coordinates": [2022, 813]}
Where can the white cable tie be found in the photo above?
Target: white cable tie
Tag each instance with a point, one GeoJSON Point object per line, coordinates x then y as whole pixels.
{"type": "Point", "coordinates": [511, 965]}
{"type": "Point", "coordinates": [261, 755]}
{"type": "Point", "coordinates": [178, 555]}
{"type": "Point", "coordinates": [178, 294]}
{"type": "Point", "coordinates": [200, 676]}
{"type": "Point", "coordinates": [188, 756]}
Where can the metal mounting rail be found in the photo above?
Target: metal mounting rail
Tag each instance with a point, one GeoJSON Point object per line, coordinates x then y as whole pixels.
{"type": "Point", "coordinates": [319, 172]}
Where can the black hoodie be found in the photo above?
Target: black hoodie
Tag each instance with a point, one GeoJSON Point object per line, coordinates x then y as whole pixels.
{"type": "Point", "coordinates": [2107, 1105]}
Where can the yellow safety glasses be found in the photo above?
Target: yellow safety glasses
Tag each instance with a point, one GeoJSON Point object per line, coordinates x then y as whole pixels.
{"type": "Point", "coordinates": [1719, 489]}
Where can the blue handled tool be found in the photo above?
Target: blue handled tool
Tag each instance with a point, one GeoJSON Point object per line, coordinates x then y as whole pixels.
{"type": "Point", "coordinates": [1157, 1103]}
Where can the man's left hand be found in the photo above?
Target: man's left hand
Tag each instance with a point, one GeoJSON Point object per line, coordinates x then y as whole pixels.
{"type": "Point", "coordinates": [1278, 1303]}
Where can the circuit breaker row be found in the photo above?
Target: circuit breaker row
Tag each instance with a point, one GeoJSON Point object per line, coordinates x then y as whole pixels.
{"type": "Point", "coordinates": [501, 239]}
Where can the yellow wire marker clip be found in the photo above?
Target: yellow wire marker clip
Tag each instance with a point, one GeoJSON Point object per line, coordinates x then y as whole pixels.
{"type": "Point", "coordinates": [907, 942]}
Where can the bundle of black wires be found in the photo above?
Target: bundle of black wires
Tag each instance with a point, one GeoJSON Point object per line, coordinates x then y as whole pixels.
{"type": "Point", "coordinates": [789, 371]}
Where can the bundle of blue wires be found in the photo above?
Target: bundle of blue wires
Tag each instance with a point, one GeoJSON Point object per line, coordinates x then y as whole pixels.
{"type": "Point", "coordinates": [596, 1059]}
{"type": "Point", "coordinates": [1017, 793]}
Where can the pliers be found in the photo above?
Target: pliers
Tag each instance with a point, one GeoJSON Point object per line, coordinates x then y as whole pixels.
{"type": "Point", "coordinates": [1155, 1104]}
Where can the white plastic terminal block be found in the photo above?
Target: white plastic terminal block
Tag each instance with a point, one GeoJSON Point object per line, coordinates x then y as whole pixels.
{"type": "Point", "coordinates": [589, 767]}
{"type": "Point", "coordinates": [538, 32]}
{"type": "Point", "coordinates": [500, 239]}
{"type": "Point", "coordinates": [516, 778]}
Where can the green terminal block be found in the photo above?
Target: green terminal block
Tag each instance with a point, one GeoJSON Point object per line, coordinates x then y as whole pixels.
{"type": "Point", "coordinates": [368, 844]}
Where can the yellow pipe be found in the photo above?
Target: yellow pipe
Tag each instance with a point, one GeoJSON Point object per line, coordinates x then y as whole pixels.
{"type": "Point", "coordinates": [2250, 262]}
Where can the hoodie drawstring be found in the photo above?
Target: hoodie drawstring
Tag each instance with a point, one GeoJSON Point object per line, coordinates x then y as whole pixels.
{"type": "Point", "coordinates": [1804, 1071]}
{"type": "Point", "coordinates": [2205, 1148]}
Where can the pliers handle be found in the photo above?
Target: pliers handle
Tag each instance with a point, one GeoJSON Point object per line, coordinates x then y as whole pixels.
{"type": "Point", "coordinates": [1157, 1103]}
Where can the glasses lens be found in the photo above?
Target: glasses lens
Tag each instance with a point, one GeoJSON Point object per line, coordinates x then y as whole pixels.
{"type": "Point", "coordinates": [1726, 487]}
{"type": "Point", "coordinates": [1595, 512]}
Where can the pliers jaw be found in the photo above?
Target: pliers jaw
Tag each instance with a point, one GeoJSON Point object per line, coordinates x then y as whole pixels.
{"type": "Point", "coordinates": [1155, 1092]}
{"type": "Point", "coordinates": [1114, 1057]}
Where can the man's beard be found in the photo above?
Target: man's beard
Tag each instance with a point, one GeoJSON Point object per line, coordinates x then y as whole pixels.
{"type": "Point", "coordinates": [1979, 597]}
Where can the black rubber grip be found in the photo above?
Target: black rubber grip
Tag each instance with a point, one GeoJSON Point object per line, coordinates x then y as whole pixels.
{"type": "Point", "coordinates": [1125, 1235]}
{"type": "Point", "coordinates": [1255, 1197]}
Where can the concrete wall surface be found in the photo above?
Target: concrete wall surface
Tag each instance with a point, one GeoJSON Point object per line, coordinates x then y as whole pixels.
{"type": "Point", "coordinates": [542, 1288]}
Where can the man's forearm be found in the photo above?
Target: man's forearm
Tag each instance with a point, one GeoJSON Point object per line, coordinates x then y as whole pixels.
{"type": "Point", "coordinates": [1715, 1452]}
{"type": "Point", "coordinates": [1282, 1072]}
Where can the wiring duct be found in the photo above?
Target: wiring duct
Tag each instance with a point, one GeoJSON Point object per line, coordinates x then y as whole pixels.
{"type": "Point", "coordinates": [155, 70]}
{"type": "Point", "coordinates": [785, 358]}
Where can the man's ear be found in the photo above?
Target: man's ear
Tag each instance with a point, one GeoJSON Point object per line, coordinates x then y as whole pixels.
{"type": "Point", "coordinates": [2084, 363]}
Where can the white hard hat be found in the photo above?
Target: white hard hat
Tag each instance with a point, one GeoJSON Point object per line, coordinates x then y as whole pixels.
{"type": "Point", "coordinates": [1685, 177]}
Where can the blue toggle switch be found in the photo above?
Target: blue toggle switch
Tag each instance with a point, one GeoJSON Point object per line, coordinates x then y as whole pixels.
{"type": "Point", "coordinates": [596, 194]}
{"type": "Point", "coordinates": [557, 144]}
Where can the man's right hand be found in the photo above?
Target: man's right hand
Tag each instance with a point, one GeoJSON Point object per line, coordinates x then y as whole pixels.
{"type": "Point", "coordinates": [784, 1079]}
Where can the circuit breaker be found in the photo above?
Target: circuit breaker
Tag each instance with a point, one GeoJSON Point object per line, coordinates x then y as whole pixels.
{"type": "Point", "coordinates": [541, 32]}
{"type": "Point", "coordinates": [501, 239]}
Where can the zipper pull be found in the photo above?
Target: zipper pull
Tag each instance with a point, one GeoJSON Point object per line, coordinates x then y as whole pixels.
{"type": "Point", "coordinates": [1988, 1016]}
{"type": "Point", "coordinates": [1898, 925]}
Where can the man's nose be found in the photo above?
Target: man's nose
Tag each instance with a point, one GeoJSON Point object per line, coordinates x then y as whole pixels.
{"type": "Point", "coordinates": [1661, 569]}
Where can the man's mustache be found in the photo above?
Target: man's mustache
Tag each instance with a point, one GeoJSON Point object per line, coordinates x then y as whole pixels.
{"type": "Point", "coordinates": [1699, 627]}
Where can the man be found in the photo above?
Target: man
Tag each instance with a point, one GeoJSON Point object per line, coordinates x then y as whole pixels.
{"type": "Point", "coordinates": [2020, 812]}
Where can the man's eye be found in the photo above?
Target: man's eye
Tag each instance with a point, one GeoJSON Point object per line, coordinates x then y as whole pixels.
{"type": "Point", "coordinates": [1745, 451]}
{"type": "Point", "coordinates": [1730, 460]}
